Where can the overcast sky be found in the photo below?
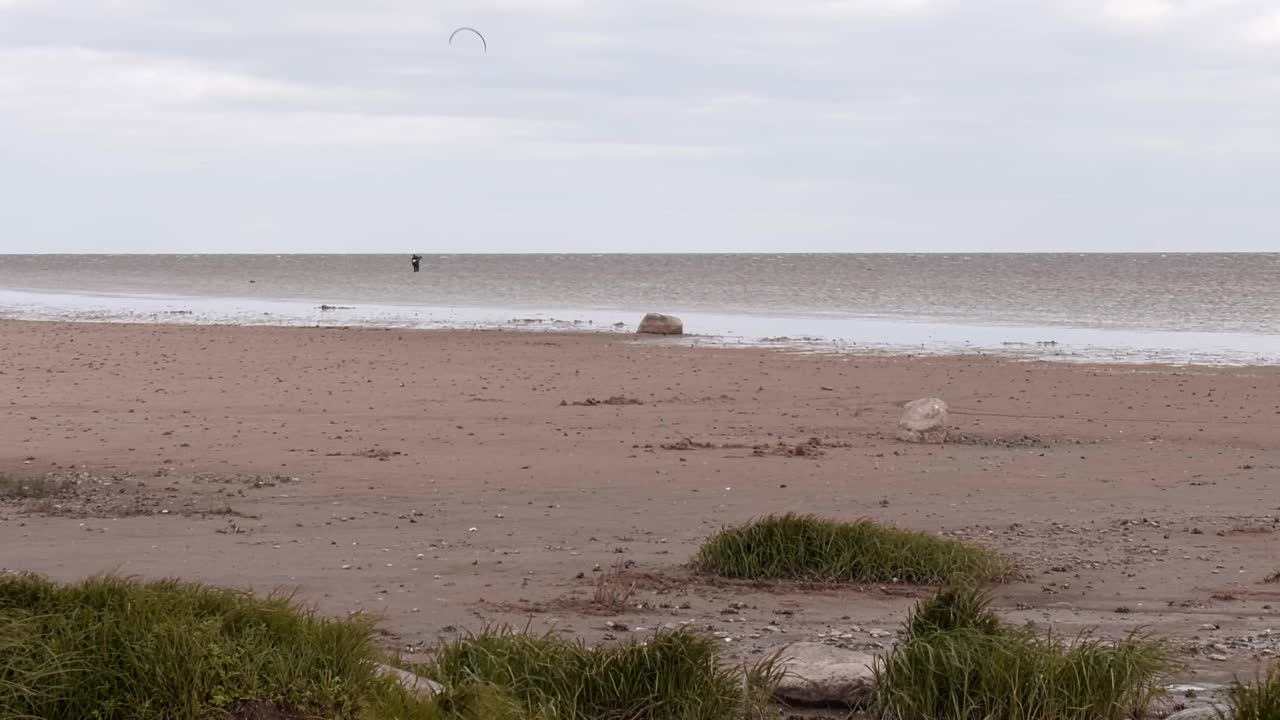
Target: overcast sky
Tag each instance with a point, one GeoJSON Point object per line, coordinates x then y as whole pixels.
{"type": "Point", "coordinates": [639, 125]}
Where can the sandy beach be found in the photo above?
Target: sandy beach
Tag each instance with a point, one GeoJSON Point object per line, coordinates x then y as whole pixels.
{"type": "Point", "coordinates": [451, 479]}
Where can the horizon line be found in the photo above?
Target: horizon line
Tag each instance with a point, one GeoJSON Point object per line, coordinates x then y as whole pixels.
{"type": "Point", "coordinates": [625, 254]}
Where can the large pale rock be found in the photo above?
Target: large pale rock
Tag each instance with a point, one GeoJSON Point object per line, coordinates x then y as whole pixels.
{"type": "Point", "coordinates": [923, 421]}
{"type": "Point", "coordinates": [657, 324]}
{"type": "Point", "coordinates": [416, 685]}
{"type": "Point", "coordinates": [821, 675]}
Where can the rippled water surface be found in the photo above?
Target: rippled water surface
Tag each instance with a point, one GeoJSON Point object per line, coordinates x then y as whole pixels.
{"type": "Point", "coordinates": [1183, 307]}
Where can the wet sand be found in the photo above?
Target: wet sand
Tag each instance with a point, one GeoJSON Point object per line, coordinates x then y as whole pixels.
{"type": "Point", "coordinates": [451, 479]}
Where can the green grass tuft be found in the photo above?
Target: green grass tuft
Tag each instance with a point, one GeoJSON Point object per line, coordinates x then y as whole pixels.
{"type": "Point", "coordinates": [804, 547]}
{"type": "Point", "coordinates": [959, 662]}
{"type": "Point", "coordinates": [954, 608]}
{"type": "Point", "coordinates": [669, 676]}
{"type": "Point", "coordinates": [1257, 701]}
{"type": "Point", "coordinates": [114, 648]}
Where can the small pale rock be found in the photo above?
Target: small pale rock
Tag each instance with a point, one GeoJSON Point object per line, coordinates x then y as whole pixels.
{"type": "Point", "coordinates": [923, 421]}
{"type": "Point", "coordinates": [415, 684]}
{"type": "Point", "coordinates": [1195, 689]}
{"type": "Point", "coordinates": [657, 324]}
{"type": "Point", "coordinates": [821, 675]}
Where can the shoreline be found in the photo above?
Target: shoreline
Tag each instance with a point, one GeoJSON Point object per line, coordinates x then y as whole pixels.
{"type": "Point", "coordinates": [786, 346]}
{"type": "Point", "coordinates": [453, 479]}
{"type": "Point", "coordinates": [843, 334]}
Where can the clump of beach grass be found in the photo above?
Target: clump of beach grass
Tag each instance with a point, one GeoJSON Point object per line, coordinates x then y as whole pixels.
{"type": "Point", "coordinates": [1256, 701]}
{"type": "Point", "coordinates": [115, 648]}
{"type": "Point", "coordinates": [806, 547]}
{"type": "Point", "coordinates": [668, 676]}
{"type": "Point", "coordinates": [957, 607]}
{"type": "Point", "coordinates": [960, 662]}
{"type": "Point", "coordinates": [612, 590]}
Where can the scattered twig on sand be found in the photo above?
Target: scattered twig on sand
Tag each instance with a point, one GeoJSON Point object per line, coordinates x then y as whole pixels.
{"type": "Point", "coordinates": [33, 488]}
{"type": "Point", "coordinates": [813, 447]}
{"type": "Point", "coordinates": [691, 444]}
{"type": "Point", "coordinates": [613, 400]}
{"type": "Point", "coordinates": [372, 453]}
{"type": "Point", "coordinates": [613, 590]}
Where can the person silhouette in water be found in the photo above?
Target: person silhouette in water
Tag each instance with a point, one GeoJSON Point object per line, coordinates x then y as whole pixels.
{"type": "Point", "coordinates": [415, 260]}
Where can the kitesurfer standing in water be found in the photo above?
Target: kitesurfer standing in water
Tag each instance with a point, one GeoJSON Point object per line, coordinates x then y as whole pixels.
{"type": "Point", "coordinates": [416, 259]}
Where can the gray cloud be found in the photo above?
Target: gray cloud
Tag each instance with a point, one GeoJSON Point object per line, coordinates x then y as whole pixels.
{"type": "Point", "coordinates": [709, 125]}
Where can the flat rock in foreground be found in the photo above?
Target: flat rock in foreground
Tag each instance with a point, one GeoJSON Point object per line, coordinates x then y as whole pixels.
{"type": "Point", "coordinates": [824, 676]}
